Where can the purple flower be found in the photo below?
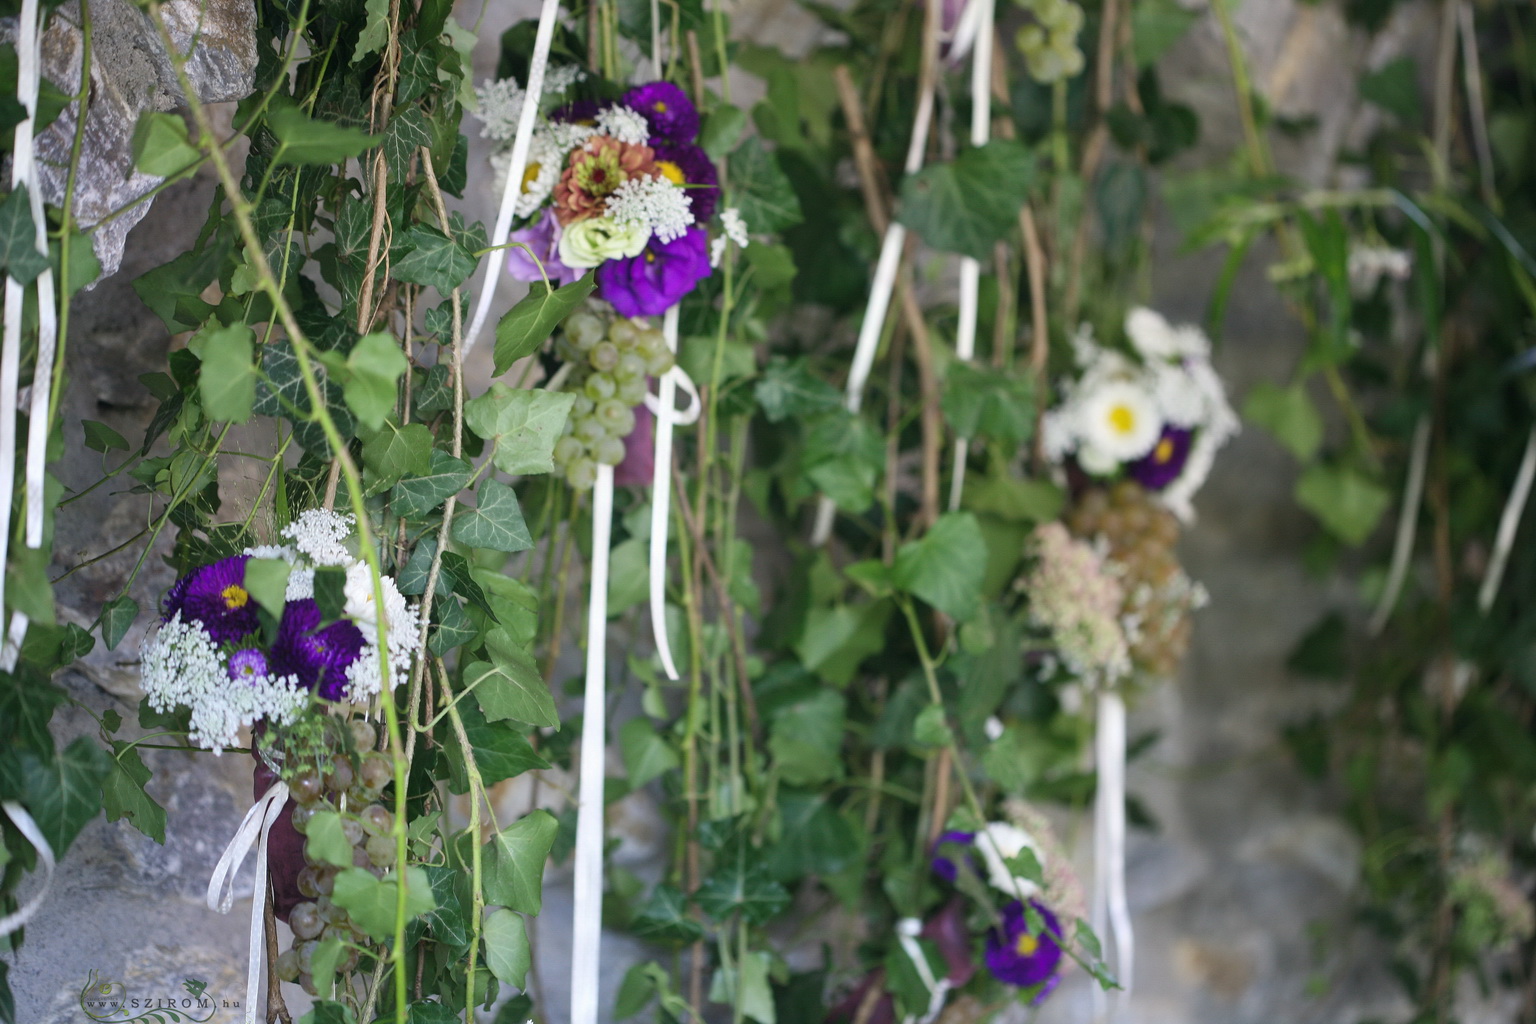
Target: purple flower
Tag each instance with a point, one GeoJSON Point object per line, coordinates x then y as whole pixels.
{"type": "Point", "coordinates": [666, 108]}
{"type": "Point", "coordinates": [943, 866]}
{"type": "Point", "coordinates": [215, 596]}
{"type": "Point", "coordinates": [317, 657]}
{"type": "Point", "coordinates": [654, 281]}
{"type": "Point", "coordinates": [247, 665]}
{"type": "Point", "coordinates": [1163, 464]}
{"type": "Point", "coordinates": [579, 112]}
{"type": "Point", "coordinates": [543, 237]}
{"type": "Point", "coordinates": [639, 452]}
{"type": "Point", "coordinates": [947, 930]}
{"type": "Point", "coordinates": [1017, 957]}
{"type": "Point", "coordinates": [684, 164]}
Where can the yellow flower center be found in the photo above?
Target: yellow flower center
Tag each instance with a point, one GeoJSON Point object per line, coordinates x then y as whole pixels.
{"type": "Point", "coordinates": [670, 171]}
{"type": "Point", "coordinates": [234, 596]}
{"type": "Point", "coordinates": [650, 257]}
{"type": "Point", "coordinates": [1026, 945]}
{"type": "Point", "coordinates": [660, 106]}
{"type": "Point", "coordinates": [530, 176]}
{"type": "Point", "coordinates": [1164, 451]}
{"type": "Point", "coordinates": [1122, 419]}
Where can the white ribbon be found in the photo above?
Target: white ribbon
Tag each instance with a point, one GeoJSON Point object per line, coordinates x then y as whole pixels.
{"type": "Point", "coordinates": [1109, 900]}
{"type": "Point", "coordinates": [1509, 523]}
{"type": "Point", "coordinates": [28, 827]}
{"type": "Point", "coordinates": [254, 830]}
{"type": "Point", "coordinates": [513, 187]}
{"type": "Point", "coordinates": [587, 914]}
{"type": "Point", "coordinates": [661, 483]}
{"type": "Point", "coordinates": [907, 931]}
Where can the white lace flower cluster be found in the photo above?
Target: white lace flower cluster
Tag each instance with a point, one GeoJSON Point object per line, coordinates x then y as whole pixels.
{"type": "Point", "coordinates": [499, 103]}
{"type": "Point", "coordinates": [654, 203]}
{"type": "Point", "coordinates": [1159, 417]}
{"type": "Point", "coordinates": [732, 229]}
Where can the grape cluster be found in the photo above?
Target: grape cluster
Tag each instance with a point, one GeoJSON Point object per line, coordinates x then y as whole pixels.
{"type": "Point", "coordinates": [350, 785]}
{"type": "Point", "coordinates": [1140, 535]}
{"type": "Point", "coordinates": [609, 362]}
{"type": "Point", "coordinates": [1049, 43]}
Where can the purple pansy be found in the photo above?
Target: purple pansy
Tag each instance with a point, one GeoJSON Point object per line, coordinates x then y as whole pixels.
{"type": "Point", "coordinates": [1017, 957]}
{"type": "Point", "coordinates": [666, 108]}
{"type": "Point", "coordinates": [543, 237]}
{"type": "Point", "coordinates": [1163, 464]}
{"type": "Point", "coordinates": [695, 171]}
{"type": "Point", "coordinates": [247, 665]}
{"type": "Point", "coordinates": [215, 596]}
{"type": "Point", "coordinates": [317, 657]}
{"type": "Point", "coordinates": [943, 866]}
{"type": "Point", "coordinates": [654, 281]}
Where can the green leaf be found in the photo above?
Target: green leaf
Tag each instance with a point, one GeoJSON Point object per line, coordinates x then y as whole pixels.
{"type": "Point", "coordinates": [664, 917]}
{"type": "Point", "coordinates": [449, 921]}
{"type": "Point", "coordinates": [844, 458]}
{"type": "Point", "coordinates": [375, 31]}
{"type": "Point", "coordinates": [301, 140]}
{"type": "Point", "coordinates": [500, 751]}
{"type": "Point", "coordinates": [1394, 87]}
{"type": "Point", "coordinates": [18, 239]}
{"type": "Point", "coordinates": [1287, 413]}
{"type": "Point", "coordinates": [506, 947]}
{"type": "Point", "coordinates": [408, 131]}
{"type": "Point", "coordinates": [123, 794]}
{"type": "Point", "coordinates": [327, 955]}
{"type": "Point", "coordinates": [327, 1012]}
{"type": "Point", "coordinates": [64, 792]}
{"type": "Point", "coordinates": [947, 566]}
{"type": "Point", "coordinates": [646, 755]}
{"type": "Point", "coordinates": [495, 521]}
{"type": "Point", "coordinates": [101, 438]}
{"type": "Point", "coordinates": [376, 365]}
{"type": "Point", "coordinates": [161, 146]}
{"type": "Point", "coordinates": [983, 402]}
{"type": "Point", "coordinates": [746, 985]}
{"type": "Point", "coordinates": [26, 708]}
{"type": "Point", "coordinates": [814, 839]}
{"type": "Point", "coordinates": [722, 127]}
{"type": "Point", "coordinates": [1156, 25]}
{"type": "Point", "coordinates": [510, 684]}
{"type": "Point", "coordinates": [226, 382]}
{"type": "Point", "coordinates": [745, 888]}
{"type": "Point", "coordinates": [1017, 501]}
{"type": "Point", "coordinates": [1348, 502]}
{"type": "Point", "coordinates": [396, 451]}
{"type": "Point", "coordinates": [931, 729]}
{"type": "Point", "coordinates": [331, 591]}
{"type": "Point", "coordinates": [324, 841]}
{"type": "Point", "coordinates": [266, 580]}
{"type": "Point", "coordinates": [762, 192]}
{"type": "Point", "coordinates": [523, 425]}
{"type": "Point", "coordinates": [434, 260]}
{"type": "Point", "coordinates": [117, 618]}
{"type": "Point", "coordinates": [806, 739]}
{"type": "Point", "coordinates": [788, 389]}
{"type": "Point", "coordinates": [534, 319]}
{"type": "Point", "coordinates": [837, 639]}
{"type": "Point", "coordinates": [416, 496]}
{"type": "Point", "coordinates": [514, 865]}
{"type": "Point", "coordinates": [972, 202]}
{"type": "Point", "coordinates": [371, 902]}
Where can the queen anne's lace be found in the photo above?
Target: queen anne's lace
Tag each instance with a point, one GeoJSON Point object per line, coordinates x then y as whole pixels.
{"type": "Point", "coordinates": [624, 124]}
{"type": "Point", "coordinates": [654, 202]}
{"type": "Point", "coordinates": [321, 536]}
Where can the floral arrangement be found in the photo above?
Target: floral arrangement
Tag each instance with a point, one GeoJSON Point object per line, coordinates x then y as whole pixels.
{"type": "Point", "coordinates": [234, 662]}
{"type": "Point", "coordinates": [1157, 417]}
{"type": "Point", "coordinates": [620, 187]}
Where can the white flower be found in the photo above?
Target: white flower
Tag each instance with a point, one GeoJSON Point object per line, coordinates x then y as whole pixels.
{"type": "Point", "coordinates": [586, 243]}
{"type": "Point", "coordinates": [1155, 338]}
{"type": "Point", "coordinates": [732, 229]}
{"type": "Point", "coordinates": [993, 728]}
{"type": "Point", "coordinates": [655, 203]}
{"type": "Point", "coordinates": [301, 581]}
{"type": "Point", "coordinates": [1180, 398]}
{"type": "Point", "coordinates": [321, 535]}
{"type": "Point", "coordinates": [624, 124]}
{"type": "Point", "coordinates": [400, 620]}
{"type": "Point", "coordinates": [999, 842]}
{"type": "Point", "coordinates": [499, 103]}
{"type": "Point", "coordinates": [1119, 419]}
{"type": "Point", "coordinates": [1368, 264]}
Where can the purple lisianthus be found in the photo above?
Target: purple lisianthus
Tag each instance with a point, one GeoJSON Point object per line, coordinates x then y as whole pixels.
{"type": "Point", "coordinates": [1163, 464]}
{"type": "Point", "coordinates": [666, 108]}
{"type": "Point", "coordinates": [543, 237]}
{"type": "Point", "coordinates": [689, 166]}
{"type": "Point", "coordinates": [943, 866]}
{"type": "Point", "coordinates": [317, 657]}
{"type": "Point", "coordinates": [247, 665]}
{"type": "Point", "coordinates": [215, 596]}
{"type": "Point", "coordinates": [654, 281]}
{"type": "Point", "coordinates": [639, 462]}
{"type": "Point", "coordinates": [1015, 956]}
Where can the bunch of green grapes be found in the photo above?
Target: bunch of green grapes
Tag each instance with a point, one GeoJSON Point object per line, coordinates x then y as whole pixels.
{"type": "Point", "coordinates": [609, 362]}
{"type": "Point", "coordinates": [1049, 44]}
{"type": "Point", "coordinates": [351, 786]}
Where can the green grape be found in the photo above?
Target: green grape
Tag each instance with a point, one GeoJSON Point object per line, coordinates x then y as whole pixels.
{"type": "Point", "coordinates": [591, 430]}
{"type": "Point", "coordinates": [581, 474]}
{"type": "Point", "coordinates": [584, 329]}
{"type": "Point", "coordinates": [604, 356]}
{"type": "Point", "coordinates": [340, 778]}
{"type": "Point", "coordinates": [376, 772]}
{"type": "Point", "coordinates": [616, 417]}
{"type": "Point", "coordinates": [600, 386]}
{"type": "Point", "coordinates": [582, 407]}
{"type": "Point", "coordinates": [287, 966]}
{"type": "Point", "coordinates": [364, 735]}
{"type": "Point", "coordinates": [1030, 40]}
{"type": "Point", "coordinates": [659, 361]}
{"type": "Point", "coordinates": [631, 364]}
{"type": "Point", "coordinates": [353, 830]}
{"type": "Point", "coordinates": [306, 787]}
{"type": "Point", "coordinates": [566, 351]}
{"type": "Point", "coordinates": [305, 920]}
{"type": "Point", "coordinates": [610, 451]}
{"type": "Point", "coordinates": [306, 951]}
{"type": "Point", "coordinates": [376, 820]}
{"type": "Point", "coordinates": [381, 850]}
{"type": "Point", "coordinates": [568, 448]}
{"type": "Point", "coordinates": [631, 392]}
{"type": "Point", "coordinates": [301, 816]}
{"type": "Point", "coordinates": [624, 333]}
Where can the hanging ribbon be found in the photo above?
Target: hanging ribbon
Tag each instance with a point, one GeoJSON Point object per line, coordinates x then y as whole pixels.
{"type": "Point", "coordinates": [1110, 906]}
{"type": "Point", "coordinates": [28, 827]}
{"type": "Point", "coordinates": [254, 830]}
{"type": "Point", "coordinates": [663, 406]}
{"type": "Point", "coordinates": [907, 931]}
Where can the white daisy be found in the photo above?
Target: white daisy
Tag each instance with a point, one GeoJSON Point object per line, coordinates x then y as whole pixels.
{"type": "Point", "coordinates": [1120, 420]}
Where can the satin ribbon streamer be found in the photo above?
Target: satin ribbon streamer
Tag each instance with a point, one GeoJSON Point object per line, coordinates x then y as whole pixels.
{"type": "Point", "coordinates": [1109, 899]}
{"type": "Point", "coordinates": [907, 931]}
{"type": "Point", "coordinates": [254, 830]}
{"type": "Point", "coordinates": [663, 406]}
{"type": "Point", "coordinates": [28, 827]}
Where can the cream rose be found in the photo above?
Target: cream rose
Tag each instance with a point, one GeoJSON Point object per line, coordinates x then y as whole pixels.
{"type": "Point", "coordinates": [586, 243]}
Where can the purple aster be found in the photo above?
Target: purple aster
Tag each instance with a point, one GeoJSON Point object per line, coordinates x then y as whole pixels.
{"type": "Point", "coordinates": [689, 166]}
{"type": "Point", "coordinates": [215, 596]}
{"type": "Point", "coordinates": [1017, 957]}
{"type": "Point", "coordinates": [639, 462]}
{"type": "Point", "coordinates": [656, 280]}
{"type": "Point", "coordinates": [943, 866]}
{"type": "Point", "coordinates": [543, 237]}
{"type": "Point", "coordinates": [1163, 464]}
{"type": "Point", "coordinates": [247, 666]}
{"type": "Point", "coordinates": [317, 657]}
{"type": "Point", "coordinates": [666, 108]}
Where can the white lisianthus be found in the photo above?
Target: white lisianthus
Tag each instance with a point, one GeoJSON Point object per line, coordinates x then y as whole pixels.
{"type": "Point", "coordinates": [1119, 419]}
{"type": "Point", "coordinates": [587, 243]}
{"type": "Point", "coordinates": [999, 842]}
{"type": "Point", "coordinates": [403, 631]}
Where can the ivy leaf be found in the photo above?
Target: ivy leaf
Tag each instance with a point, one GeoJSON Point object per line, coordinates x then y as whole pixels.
{"type": "Point", "coordinates": [844, 457]}
{"type": "Point", "coordinates": [327, 1012]}
{"type": "Point", "coordinates": [646, 755]}
{"type": "Point", "coordinates": [814, 839]}
{"type": "Point", "coordinates": [375, 31]}
{"type": "Point", "coordinates": [18, 238]}
{"type": "Point", "coordinates": [101, 438]}
{"type": "Point", "coordinates": [946, 567]}
{"type": "Point", "coordinates": [1395, 89]}
{"type": "Point", "coordinates": [535, 317]}
{"type": "Point", "coordinates": [506, 947]}
{"type": "Point", "coordinates": [972, 202]}
{"type": "Point", "coordinates": [161, 146]}
{"type": "Point", "coordinates": [524, 425]}
{"type": "Point", "coordinates": [301, 140]}
{"type": "Point", "coordinates": [416, 496]}
{"type": "Point", "coordinates": [325, 842]}
{"type": "Point", "coordinates": [806, 738]}
{"type": "Point", "coordinates": [1347, 502]}
{"type": "Point", "coordinates": [117, 618]}
{"type": "Point", "coordinates": [371, 902]}
{"type": "Point", "coordinates": [746, 985]}
{"type": "Point", "coordinates": [788, 389]}
{"type": "Point", "coordinates": [1287, 413]}
{"type": "Point", "coordinates": [514, 867]}
{"type": "Point", "coordinates": [837, 639]}
{"type": "Point", "coordinates": [499, 750]}
{"type": "Point", "coordinates": [737, 887]}
{"type": "Point", "coordinates": [1156, 26]}
{"type": "Point", "coordinates": [64, 792]}
{"type": "Point", "coordinates": [374, 368]}
{"type": "Point", "coordinates": [395, 451]}
{"type": "Point", "coordinates": [434, 260]}
{"type": "Point", "coordinates": [986, 403]}
{"type": "Point", "coordinates": [510, 684]}
{"type": "Point", "coordinates": [763, 193]}
{"type": "Point", "coordinates": [495, 521]}
{"type": "Point", "coordinates": [26, 707]}
{"type": "Point", "coordinates": [408, 131]}
{"type": "Point", "coordinates": [123, 794]}
{"type": "Point", "coordinates": [449, 922]}
{"type": "Point", "coordinates": [226, 382]}
{"type": "Point", "coordinates": [664, 917]}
